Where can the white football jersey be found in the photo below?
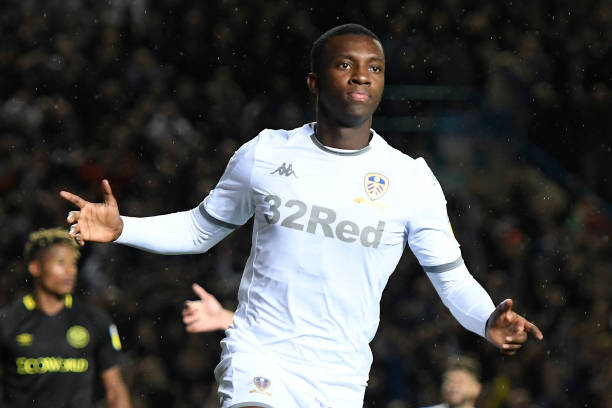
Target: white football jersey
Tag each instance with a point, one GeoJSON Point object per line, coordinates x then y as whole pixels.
{"type": "Point", "coordinates": [329, 229]}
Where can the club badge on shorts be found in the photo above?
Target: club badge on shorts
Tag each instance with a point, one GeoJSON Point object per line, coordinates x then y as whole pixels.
{"type": "Point", "coordinates": [262, 384]}
{"type": "Point", "coordinates": [375, 185]}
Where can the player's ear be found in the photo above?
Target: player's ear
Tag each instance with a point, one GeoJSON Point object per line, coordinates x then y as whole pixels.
{"type": "Point", "coordinates": [312, 81]}
{"type": "Point", "coordinates": [34, 268]}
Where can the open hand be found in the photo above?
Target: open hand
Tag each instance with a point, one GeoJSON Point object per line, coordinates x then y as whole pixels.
{"type": "Point", "coordinates": [98, 222]}
{"type": "Point", "coordinates": [206, 314]}
{"type": "Point", "coordinates": [508, 330]}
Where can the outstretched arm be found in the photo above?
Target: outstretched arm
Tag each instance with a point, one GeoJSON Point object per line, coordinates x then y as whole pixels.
{"type": "Point", "coordinates": [508, 330]}
{"type": "Point", "coordinates": [206, 314]}
{"type": "Point", "coordinates": [471, 305]}
{"type": "Point", "coordinates": [185, 232]}
{"type": "Point", "coordinates": [97, 222]}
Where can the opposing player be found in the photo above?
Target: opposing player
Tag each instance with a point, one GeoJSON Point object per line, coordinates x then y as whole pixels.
{"type": "Point", "coordinates": [334, 206]}
{"type": "Point", "coordinates": [52, 346]}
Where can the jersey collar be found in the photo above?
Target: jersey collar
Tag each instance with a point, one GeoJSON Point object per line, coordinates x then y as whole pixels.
{"type": "Point", "coordinates": [30, 303]}
{"type": "Point", "coordinates": [321, 146]}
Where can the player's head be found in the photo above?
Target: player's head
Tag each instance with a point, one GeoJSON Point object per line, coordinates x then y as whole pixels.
{"type": "Point", "coordinates": [347, 74]}
{"type": "Point", "coordinates": [461, 382]}
{"type": "Point", "coordinates": [318, 47]}
{"type": "Point", "coordinates": [51, 257]}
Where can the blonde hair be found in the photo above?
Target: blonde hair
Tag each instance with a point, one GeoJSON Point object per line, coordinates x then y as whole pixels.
{"type": "Point", "coordinates": [465, 363]}
{"type": "Point", "coordinates": [42, 239]}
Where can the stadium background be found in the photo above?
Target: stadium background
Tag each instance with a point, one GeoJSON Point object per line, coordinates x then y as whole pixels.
{"type": "Point", "coordinates": [509, 103]}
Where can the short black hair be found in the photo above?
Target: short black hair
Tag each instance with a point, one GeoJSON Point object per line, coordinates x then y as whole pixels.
{"type": "Point", "coordinates": [319, 45]}
{"type": "Point", "coordinates": [41, 240]}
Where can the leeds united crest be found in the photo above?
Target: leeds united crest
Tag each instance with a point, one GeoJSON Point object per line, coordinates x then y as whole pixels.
{"type": "Point", "coordinates": [375, 185]}
{"type": "Point", "coordinates": [262, 384]}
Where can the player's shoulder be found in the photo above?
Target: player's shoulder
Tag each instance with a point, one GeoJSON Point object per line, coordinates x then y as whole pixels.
{"type": "Point", "coordinates": [12, 313]}
{"type": "Point", "coordinates": [397, 159]}
{"type": "Point", "coordinates": [17, 305]}
{"type": "Point", "coordinates": [285, 136]}
{"type": "Point", "coordinates": [92, 312]}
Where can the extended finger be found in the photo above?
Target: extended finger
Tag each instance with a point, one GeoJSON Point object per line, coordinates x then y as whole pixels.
{"type": "Point", "coordinates": [107, 193]}
{"type": "Point", "coordinates": [533, 329]}
{"type": "Point", "coordinates": [199, 291]}
{"type": "Point", "coordinates": [73, 198]}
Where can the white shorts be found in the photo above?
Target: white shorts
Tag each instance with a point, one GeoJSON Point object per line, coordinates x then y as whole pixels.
{"type": "Point", "coordinates": [247, 378]}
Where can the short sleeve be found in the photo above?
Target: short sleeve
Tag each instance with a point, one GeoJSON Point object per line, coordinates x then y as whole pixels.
{"type": "Point", "coordinates": [108, 342]}
{"type": "Point", "coordinates": [430, 235]}
{"type": "Point", "coordinates": [230, 202]}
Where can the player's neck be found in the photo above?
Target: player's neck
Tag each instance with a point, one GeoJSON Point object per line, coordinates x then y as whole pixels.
{"type": "Point", "coordinates": [48, 303]}
{"type": "Point", "coordinates": [340, 137]}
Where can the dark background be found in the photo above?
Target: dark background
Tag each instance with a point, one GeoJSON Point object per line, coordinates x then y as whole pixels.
{"type": "Point", "coordinates": [509, 102]}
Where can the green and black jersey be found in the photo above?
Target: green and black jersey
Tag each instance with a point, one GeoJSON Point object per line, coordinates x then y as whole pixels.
{"type": "Point", "coordinates": [53, 361]}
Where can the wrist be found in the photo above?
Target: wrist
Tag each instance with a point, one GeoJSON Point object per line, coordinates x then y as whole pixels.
{"type": "Point", "coordinates": [227, 318]}
{"type": "Point", "coordinates": [118, 229]}
{"type": "Point", "coordinates": [486, 329]}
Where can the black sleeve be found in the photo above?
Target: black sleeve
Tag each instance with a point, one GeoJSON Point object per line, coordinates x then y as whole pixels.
{"type": "Point", "coordinates": [107, 341]}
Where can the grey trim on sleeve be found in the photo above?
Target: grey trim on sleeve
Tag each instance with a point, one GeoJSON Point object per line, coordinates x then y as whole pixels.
{"type": "Point", "coordinates": [212, 219]}
{"type": "Point", "coordinates": [444, 268]}
{"type": "Point", "coordinates": [251, 404]}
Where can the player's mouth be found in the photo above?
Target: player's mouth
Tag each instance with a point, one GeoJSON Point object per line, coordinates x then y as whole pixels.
{"type": "Point", "coordinates": [69, 282]}
{"type": "Point", "coordinates": [358, 96]}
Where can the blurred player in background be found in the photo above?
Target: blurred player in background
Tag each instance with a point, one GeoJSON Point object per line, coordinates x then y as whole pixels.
{"type": "Point", "coordinates": [334, 207]}
{"type": "Point", "coordinates": [460, 384]}
{"type": "Point", "coordinates": [52, 346]}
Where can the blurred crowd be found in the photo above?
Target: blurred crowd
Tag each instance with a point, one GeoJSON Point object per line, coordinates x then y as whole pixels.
{"type": "Point", "coordinates": [156, 95]}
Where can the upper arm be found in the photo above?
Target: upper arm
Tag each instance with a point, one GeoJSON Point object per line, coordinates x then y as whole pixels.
{"type": "Point", "coordinates": [430, 235]}
{"type": "Point", "coordinates": [230, 202]}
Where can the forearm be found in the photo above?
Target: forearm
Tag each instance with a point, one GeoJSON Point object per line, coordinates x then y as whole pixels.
{"type": "Point", "coordinates": [466, 299]}
{"type": "Point", "coordinates": [226, 319]}
{"type": "Point", "coordinates": [186, 232]}
{"type": "Point", "coordinates": [117, 395]}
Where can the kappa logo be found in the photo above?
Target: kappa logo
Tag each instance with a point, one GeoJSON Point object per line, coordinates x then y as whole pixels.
{"type": "Point", "coordinates": [262, 384]}
{"type": "Point", "coordinates": [285, 170]}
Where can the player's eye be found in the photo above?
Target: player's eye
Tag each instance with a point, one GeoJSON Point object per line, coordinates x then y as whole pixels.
{"type": "Point", "coordinates": [376, 68]}
{"type": "Point", "coordinates": [344, 65]}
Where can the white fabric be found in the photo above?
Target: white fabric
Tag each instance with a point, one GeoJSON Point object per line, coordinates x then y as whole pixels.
{"type": "Point", "coordinates": [186, 232]}
{"type": "Point", "coordinates": [322, 250]}
{"type": "Point", "coordinates": [249, 377]}
{"type": "Point", "coordinates": [468, 302]}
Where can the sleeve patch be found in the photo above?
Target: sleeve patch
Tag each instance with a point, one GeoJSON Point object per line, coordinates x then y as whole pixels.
{"type": "Point", "coordinates": [114, 336]}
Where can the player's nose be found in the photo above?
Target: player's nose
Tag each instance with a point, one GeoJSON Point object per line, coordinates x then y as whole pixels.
{"type": "Point", "coordinates": [361, 75]}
